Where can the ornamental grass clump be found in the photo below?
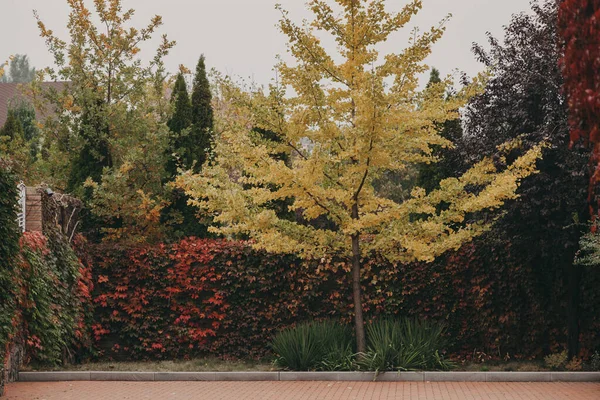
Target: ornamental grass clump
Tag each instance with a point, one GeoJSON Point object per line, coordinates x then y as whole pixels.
{"type": "Point", "coordinates": [315, 346]}
{"type": "Point", "coordinates": [404, 345]}
{"type": "Point", "coordinates": [392, 345]}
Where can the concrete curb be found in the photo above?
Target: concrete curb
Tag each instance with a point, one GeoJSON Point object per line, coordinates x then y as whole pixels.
{"type": "Point", "coordinates": [312, 376]}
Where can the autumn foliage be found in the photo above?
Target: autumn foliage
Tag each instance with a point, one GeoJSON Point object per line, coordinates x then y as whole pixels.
{"type": "Point", "coordinates": [223, 298]}
{"type": "Point", "coordinates": [579, 24]}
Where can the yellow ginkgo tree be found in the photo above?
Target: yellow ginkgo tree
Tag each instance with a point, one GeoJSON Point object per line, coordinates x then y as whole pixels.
{"type": "Point", "coordinates": [349, 118]}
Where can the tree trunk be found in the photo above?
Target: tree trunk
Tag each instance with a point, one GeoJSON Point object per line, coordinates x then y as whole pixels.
{"type": "Point", "coordinates": [573, 310]}
{"type": "Point", "coordinates": [361, 344]}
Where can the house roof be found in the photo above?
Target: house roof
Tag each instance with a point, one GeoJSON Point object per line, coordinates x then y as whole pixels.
{"type": "Point", "coordinates": [12, 91]}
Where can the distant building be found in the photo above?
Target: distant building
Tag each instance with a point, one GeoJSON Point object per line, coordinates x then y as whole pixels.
{"type": "Point", "coordinates": [11, 92]}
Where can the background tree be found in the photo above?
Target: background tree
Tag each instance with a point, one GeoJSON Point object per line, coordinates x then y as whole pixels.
{"type": "Point", "coordinates": [359, 127]}
{"type": "Point", "coordinates": [183, 153]}
{"type": "Point", "coordinates": [179, 123]}
{"type": "Point", "coordinates": [13, 146]}
{"type": "Point", "coordinates": [200, 140]}
{"type": "Point", "coordinates": [579, 29]}
{"type": "Point", "coordinates": [110, 121]}
{"type": "Point", "coordinates": [19, 70]}
{"type": "Point", "coordinates": [192, 128]}
{"type": "Point", "coordinates": [25, 113]}
{"type": "Point", "coordinates": [12, 128]}
{"type": "Point", "coordinates": [523, 99]}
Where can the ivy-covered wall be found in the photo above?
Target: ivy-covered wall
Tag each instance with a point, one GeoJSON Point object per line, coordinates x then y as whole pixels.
{"type": "Point", "coordinates": [54, 300]}
{"type": "Point", "coordinates": [45, 302]}
{"type": "Point", "coordinates": [9, 250]}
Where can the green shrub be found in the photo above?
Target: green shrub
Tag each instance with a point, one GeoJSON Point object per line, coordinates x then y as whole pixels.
{"type": "Point", "coordinates": [595, 362]}
{"type": "Point", "coordinates": [402, 345]}
{"type": "Point", "coordinates": [556, 360]}
{"type": "Point", "coordinates": [325, 346]}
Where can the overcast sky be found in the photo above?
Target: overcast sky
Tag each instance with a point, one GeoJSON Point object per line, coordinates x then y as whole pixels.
{"type": "Point", "coordinates": [240, 37]}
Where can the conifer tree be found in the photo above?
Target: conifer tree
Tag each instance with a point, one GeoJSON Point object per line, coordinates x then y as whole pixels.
{"type": "Point", "coordinates": [19, 70]}
{"type": "Point", "coordinates": [179, 122]}
{"type": "Point", "coordinates": [183, 153]}
{"type": "Point", "coordinates": [13, 146]}
{"type": "Point", "coordinates": [202, 118]}
{"type": "Point", "coordinates": [13, 129]}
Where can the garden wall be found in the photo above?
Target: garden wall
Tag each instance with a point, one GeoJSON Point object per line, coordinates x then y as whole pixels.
{"type": "Point", "coordinates": [198, 297]}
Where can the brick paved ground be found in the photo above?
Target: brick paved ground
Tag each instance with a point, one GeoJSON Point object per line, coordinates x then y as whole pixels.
{"type": "Point", "coordinates": [301, 391]}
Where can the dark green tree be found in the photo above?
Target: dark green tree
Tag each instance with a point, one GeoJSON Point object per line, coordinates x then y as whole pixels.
{"type": "Point", "coordinates": [178, 124]}
{"type": "Point", "coordinates": [191, 133]}
{"type": "Point", "coordinates": [17, 144]}
{"type": "Point", "coordinates": [25, 113]}
{"type": "Point", "coordinates": [434, 77]}
{"type": "Point", "coordinates": [19, 70]}
{"type": "Point", "coordinates": [94, 154]}
{"type": "Point", "coordinates": [200, 137]}
{"type": "Point", "coordinates": [13, 129]}
{"type": "Point", "coordinates": [191, 136]}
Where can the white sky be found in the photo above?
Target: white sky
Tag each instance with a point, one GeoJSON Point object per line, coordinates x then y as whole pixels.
{"type": "Point", "coordinates": [239, 37]}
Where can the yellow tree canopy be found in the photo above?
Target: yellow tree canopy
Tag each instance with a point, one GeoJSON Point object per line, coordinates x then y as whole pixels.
{"type": "Point", "coordinates": [348, 118]}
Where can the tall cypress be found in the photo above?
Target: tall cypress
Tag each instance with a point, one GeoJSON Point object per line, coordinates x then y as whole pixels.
{"type": "Point", "coordinates": [202, 117]}
{"type": "Point", "coordinates": [191, 136]}
{"type": "Point", "coordinates": [179, 122]}
{"type": "Point", "coordinates": [12, 127]}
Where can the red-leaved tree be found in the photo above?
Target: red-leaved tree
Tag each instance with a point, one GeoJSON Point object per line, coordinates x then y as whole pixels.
{"type": "Point", "coordinates": [579, 28]}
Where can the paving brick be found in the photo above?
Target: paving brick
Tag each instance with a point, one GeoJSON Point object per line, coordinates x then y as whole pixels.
{"type": "Point", "coordinates": [302, 390]}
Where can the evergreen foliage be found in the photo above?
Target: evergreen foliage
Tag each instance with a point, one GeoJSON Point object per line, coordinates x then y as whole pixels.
{"type": "Point", "coordinates": [589, 252]}
{"type": "Point", "coordinates": [19, 70]}
{"type": "Point", "coordinates": [191, 139]}
{"type": "Point", "coordinates": [179, 123]}
{"type": "Point", "coordinates": [25, 113]}
{"type": "Point", "coordinates": [12, 129]}
{"type": "Point", "coordinates": [14, 147]}
{"type": "Point", "coordinates": [201, 135]}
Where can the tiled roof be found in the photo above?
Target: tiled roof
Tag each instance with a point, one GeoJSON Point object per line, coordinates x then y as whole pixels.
{"type": "Point", "coordinates": [10, 91]}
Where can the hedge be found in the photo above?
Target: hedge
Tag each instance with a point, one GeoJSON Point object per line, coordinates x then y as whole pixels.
{"type": "Point", "coordinates": [222, 298]}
